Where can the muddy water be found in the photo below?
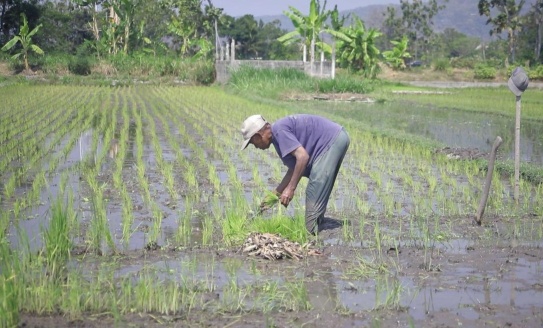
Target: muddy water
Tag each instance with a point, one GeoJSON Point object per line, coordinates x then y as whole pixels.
{"type": "Point", "coordinates": [452, 128]}
{"type": "Point", "coordinates": [470, 281]}
{"type": "Point", "coordinates": [468, 285]}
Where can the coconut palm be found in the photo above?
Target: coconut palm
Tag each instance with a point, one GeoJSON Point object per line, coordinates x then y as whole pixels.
{"type": "Point", "coordinates": [25, 39]}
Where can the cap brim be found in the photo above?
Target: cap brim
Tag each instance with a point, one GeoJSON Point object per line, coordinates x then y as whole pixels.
{"type": "Point", "coordinates": [245, 144]}
{"type": "Point", "coordinates": [513, 88]}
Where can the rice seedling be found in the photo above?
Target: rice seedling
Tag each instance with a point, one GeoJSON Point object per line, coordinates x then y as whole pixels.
{"type": "Point", "coordinates": [57, 239]}
{"type": "Point", "coordinates": [208, 228]}
{"type": "Point", "coordinates": [296, 296]}
{"type": "Point", "coordinates": [388, 292]}
{"type": "Point", "coordinates": [9, 287]}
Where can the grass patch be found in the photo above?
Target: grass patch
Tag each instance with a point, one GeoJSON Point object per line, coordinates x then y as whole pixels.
{"type": "Point", "coordinates": [274, 82]}
{"type": "Point", "coordinates": [291, 228]}
{"type": "Point", "coordinates": [236, 227]}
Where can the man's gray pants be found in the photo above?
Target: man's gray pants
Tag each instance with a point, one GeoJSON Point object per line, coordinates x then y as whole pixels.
{"type": "Point", "coordinates": [321, 181]}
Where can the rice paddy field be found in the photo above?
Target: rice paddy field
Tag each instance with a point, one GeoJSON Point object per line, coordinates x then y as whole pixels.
{"type": "Point", "coordinates": [132, 206]}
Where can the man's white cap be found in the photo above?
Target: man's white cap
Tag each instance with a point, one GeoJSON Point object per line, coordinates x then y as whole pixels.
{"type": "Point", "coordinates": [250, 127]}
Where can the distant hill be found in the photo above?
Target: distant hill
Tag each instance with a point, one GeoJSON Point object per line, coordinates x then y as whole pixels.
{"type": "Point", "coordinates": [462, 15]}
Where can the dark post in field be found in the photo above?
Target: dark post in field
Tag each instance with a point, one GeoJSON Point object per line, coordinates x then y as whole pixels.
{"type": "Point", "coordinates": [518, 82]}
{"type": "Point", "coordinates": [486, 191]}
{"type": "Point", "coordinates": [517, 149]}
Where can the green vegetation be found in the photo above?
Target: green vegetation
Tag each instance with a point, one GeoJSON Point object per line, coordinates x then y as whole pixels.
{"type": "Point", "coordinates": [25, 39]}
{"type": "Point", "coordinates": [274, 83]}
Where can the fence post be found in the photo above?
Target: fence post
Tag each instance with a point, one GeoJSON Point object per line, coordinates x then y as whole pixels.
{"type": "Point", "coordinates": [322, 64]}
{"type": "Point", "coordinates": [233, 50]}
{"type": "Point", "coordinates": [333, 61]}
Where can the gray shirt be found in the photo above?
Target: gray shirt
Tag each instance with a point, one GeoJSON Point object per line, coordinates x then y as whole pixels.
{"type": "Point", "coordinates": [314, 133]}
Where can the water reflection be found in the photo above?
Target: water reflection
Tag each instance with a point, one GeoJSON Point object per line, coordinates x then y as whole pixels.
{"type": "Point", "coordinates": [453, 128]}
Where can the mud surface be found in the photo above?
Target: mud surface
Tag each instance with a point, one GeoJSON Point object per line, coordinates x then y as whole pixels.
{"type": "Point", "coordinates": [475, 280]}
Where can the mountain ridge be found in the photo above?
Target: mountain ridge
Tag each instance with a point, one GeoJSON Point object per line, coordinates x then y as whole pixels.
{"type": "Point", "coordinates": [463, 16]}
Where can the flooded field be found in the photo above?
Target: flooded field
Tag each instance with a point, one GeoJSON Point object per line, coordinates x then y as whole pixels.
{"type": "Point", "coordinates": [136, 202]}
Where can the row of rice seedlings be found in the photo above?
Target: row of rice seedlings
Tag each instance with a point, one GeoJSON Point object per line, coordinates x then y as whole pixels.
{"type": "Point", "coordinates": [99, 230]}
{"type": "Point", "coordinates": [157, 148]}
{"type": "Point", "coordinates": [127, 214]}
{"type": "Point", "coordinates": [235, 186]}
{"type": "Point", "coordinates": [142, 176]}
{"type": "Point", "coordinates": [219, 123]}
{"type": "Point", "coordinates": [21, 129]}
{"type": "Point", "coordinates": [29, 154]}
{"type": "Point", "coordinates": [387, 189]}
{"type": "Point", "coordinates": [32, 195]}
{"type": "Point", "coordinates": [191, 175]}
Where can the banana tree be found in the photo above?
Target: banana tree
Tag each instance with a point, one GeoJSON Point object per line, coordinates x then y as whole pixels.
{"type": "Point", "coordinates": [357, 49]}
{"type": "Point", "coordinates": [25, 39]}
{"type": "Point", "coordinates": [308, 28]}
{"type": "Point", "coordinates": [123, 12]}
{"type": "Point", "coordinates": [396, 57]}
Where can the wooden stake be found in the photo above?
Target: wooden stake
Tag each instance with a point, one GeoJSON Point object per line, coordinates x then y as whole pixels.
{"type": "Point", "coordinates": [488, 181]}
{"type": "Point", "coordinates": [517, 150]}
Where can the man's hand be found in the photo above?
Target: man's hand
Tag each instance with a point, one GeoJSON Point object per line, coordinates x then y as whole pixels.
{"type": "Point", "coordinates": [287, 196]}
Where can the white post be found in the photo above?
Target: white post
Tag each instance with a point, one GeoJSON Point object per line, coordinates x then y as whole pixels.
{"type": "Point", "coordinates": [333, 61]}
{"type": "Point", "coordinates": [322, 63]}
{"type": "Point", "coordinates": [305, 53]}
{"type": "Point", "coordinates": [227, 52]}
{"type": "Point", "coordinates": [233, 50]}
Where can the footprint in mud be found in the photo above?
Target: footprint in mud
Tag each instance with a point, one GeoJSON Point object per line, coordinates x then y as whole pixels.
{"type": "Point", "coordinates": [143, 228]}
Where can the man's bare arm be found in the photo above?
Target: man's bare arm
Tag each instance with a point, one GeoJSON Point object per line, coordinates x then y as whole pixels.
{"type": "Point", "coordinates": [292, 177]}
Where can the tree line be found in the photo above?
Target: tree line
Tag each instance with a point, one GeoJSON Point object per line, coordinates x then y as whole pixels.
{"type": "Point", "coordinates": [197, 29]}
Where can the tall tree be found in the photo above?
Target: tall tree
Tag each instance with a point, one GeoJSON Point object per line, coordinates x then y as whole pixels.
{"type": "Point", "coordinates": [64, 27]}
{"type": "Point", "coordinates": [538, 17]}
{"type": "Point", "coordinates": [10, 14]}
{"type": "Point", "coordinates": [416, 22]}
{"type": "Point", "coordinates": [507, 19]}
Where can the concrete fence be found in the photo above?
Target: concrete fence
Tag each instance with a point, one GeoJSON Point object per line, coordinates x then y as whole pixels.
{"type": "Point", "coordinates": [227, 63]}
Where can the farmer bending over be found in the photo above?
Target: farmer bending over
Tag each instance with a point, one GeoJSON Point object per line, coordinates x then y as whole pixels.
{"type": "Point", "coordinates": [310, 146]}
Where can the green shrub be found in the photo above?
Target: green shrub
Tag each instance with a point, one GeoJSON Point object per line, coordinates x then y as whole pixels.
{"type": "Point", "coordinates": [484, 72]}
{"type": "Point", "coordinates": [203, 72]}
{"type": "Point", "coordinates": [80, 65]}
{"type": "Point", "coordinates": [464, 62]}
{"type": "Point", "coordinates": [441, 64]}
{"type": "Point", "coordinates": [536, 73]}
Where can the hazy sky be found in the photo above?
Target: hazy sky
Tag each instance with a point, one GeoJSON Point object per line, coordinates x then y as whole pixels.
{"type": "Point", "coordinates": [276, 7]}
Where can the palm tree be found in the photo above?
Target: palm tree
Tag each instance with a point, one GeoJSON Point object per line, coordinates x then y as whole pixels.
{"type": "Point", "coordinates": [308, 28]}
{"type": "Point", "coordinates": [25, 38]}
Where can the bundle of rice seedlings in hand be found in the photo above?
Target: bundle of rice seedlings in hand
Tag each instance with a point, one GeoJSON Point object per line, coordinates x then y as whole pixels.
{"type": "Point", "coordinates": [269, 200]}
